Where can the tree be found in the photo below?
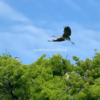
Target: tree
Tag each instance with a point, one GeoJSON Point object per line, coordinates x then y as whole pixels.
{"type": "Point", "coordinates": [45, 79]}
{"type": "Point", "coordinates": [11, 85]}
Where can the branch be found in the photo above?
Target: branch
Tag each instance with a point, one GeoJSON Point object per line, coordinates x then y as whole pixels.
{"type": "Point", "coordinates": [66, 56]}
{"type": "Point", "coordinates": [3, 92]}
{"type": "Point", "coordinates": [48, 57]}
{"type": "Point", "coordinates": [87, 65]}
{"type": "Point", "coordinates": [80, 89]}
{"type": "Point", "coordinates": [68, 89]}
{"type": "Point", "coordinates": [32, 81]}
{"type": "Point", "coordinates": [6, 50]}
{"type": "Point", "coordinates": [15, 97]}
{"type": "Point", "coordinates": [92, 58]}
{"type": "Point", "coordinates": [97, 83]}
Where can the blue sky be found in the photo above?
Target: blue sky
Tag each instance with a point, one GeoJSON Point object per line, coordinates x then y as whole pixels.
{"type": "Point", "coordinates": [26, 25]}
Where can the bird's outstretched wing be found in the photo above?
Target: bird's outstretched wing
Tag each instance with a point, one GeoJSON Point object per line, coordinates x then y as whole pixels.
{"type": "Point", "coordinates": [67, 32]}
{"type": "Point", "coordinates": [57, 40]}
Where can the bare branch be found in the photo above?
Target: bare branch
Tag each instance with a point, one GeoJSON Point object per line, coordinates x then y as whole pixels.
{"type": "Point", "coordinates": [68, 89]}
{"type": "Point", "coordinates": [92, 58]}
{"type": "Point", "coordinates": [66, 57]}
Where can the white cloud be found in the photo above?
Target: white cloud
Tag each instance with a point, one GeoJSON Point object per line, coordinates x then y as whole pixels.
{"type": "Point", "coordinates": [15, 41]}
{"type": "Point", "coordinates": [40, 22]}
{"type": "Point", "coordinates": [36, 38]}
{"type": "Point", "coordinates": [24, 38]}
{"type": "Point", "coordinates": [29, 28]}
{"type": "Point", "coordinates": [9, 13]}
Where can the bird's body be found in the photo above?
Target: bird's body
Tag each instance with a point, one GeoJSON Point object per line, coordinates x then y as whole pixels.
{"type": "Point", "coordinates": [16, 58]}
{"type": "Point", "coordinates": [65, 36]}
{"type": "Point", "coordinates": [58, 39]}
{"type": "Point", "coordinates": [67, 75]}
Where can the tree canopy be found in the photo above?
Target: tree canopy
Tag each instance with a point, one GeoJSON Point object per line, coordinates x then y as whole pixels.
{"type": "Point", "coordinates": [45, 79]}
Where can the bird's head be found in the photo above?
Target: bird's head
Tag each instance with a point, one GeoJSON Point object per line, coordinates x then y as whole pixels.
{"type": "Point", "coordinates": [16, 58]}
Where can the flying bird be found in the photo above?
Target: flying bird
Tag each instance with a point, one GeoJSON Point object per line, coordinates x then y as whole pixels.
{"type": "Point", "coordinates": [65, 36]}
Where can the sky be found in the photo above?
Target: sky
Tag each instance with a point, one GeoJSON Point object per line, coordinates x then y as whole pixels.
{"type": "Point", "coordinates": [26, 25]}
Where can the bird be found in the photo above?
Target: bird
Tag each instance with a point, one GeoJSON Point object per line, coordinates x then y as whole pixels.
{"type": "Point", "coordinates": [65, 36]}
{"type": "Point", "coordinates": [67, 75]}
{"type": "Point", "coordinates": [16, 58]}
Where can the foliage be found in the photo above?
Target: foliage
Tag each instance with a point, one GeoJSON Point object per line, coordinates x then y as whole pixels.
{"type": "Point", "coordinates": [45, 79]}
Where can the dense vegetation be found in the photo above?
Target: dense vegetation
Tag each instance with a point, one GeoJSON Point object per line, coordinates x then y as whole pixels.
{"type": "Point", "coordinates": [45, 79]}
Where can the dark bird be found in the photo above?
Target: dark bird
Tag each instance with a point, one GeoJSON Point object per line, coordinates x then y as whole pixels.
{"type": "Point", "coordinates": [65, 36]}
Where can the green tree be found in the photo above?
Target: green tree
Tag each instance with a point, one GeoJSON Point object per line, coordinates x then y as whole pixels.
{"type": "Point", "coordinates": [45, 79]}
{"type": "Point", "coordinates": [11, 85]}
